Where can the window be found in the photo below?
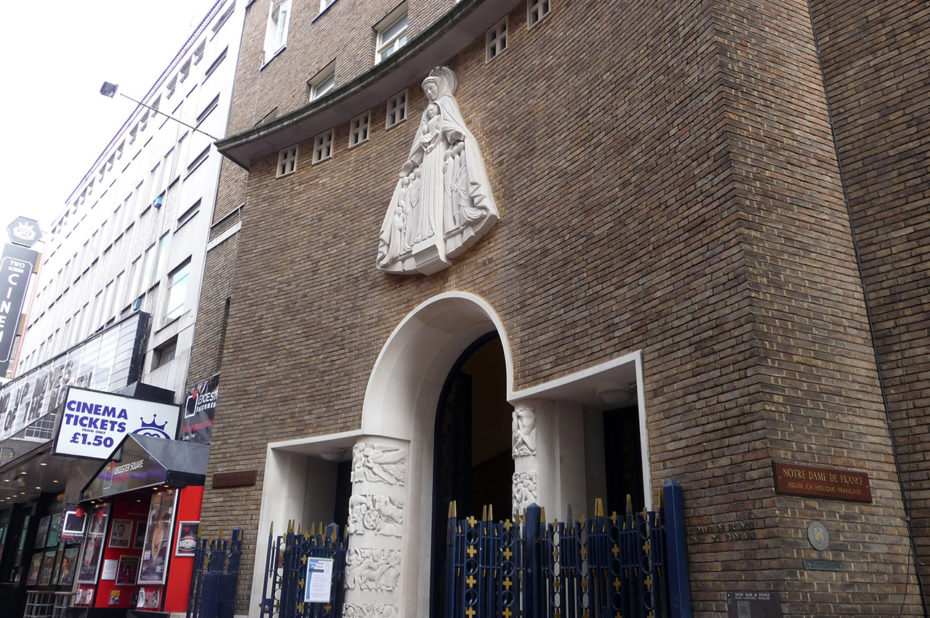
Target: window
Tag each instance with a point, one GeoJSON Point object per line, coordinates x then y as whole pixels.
{"type": "Point", "coordinates": [535, 11]}
{"type": "Point", "coordinates": [198, 53]}
{"type": "Point", "coordinates": [396, 110]}
{"type": "Point", "coordinates": [322, 82]}
{"type": "Point", "coordinates": [207, 110]}
{"type": "Point", "coordinates": [198, 160]}
{"type": "Point", "coordinates": [177, 292]}
{"type": "Point", "coordinates": [162, 257]}
{"type": "Point", "coordinates": [185, 71]}
{"type": "Point", "coordinates": [188, 214]}
{"type": "Point", "coordinates": [223, 19]}
{"type": "Point", "coordinates": [495, 41]}
{"type": "Point", "coordinates": [148, 267]}
{"type": "Point", "coordinates": [358, 129]}
{"type": "Point", "coordinates": [392, 33]}
{"type": "Point", "coordinates": [287, 161]}
{"type": "Point", "coordinates": [276, 29]}
{"type": "Point", "coordinates": [164, 353]}
{"type": "Point", "coordinates": [215, 65]}
{"type": "Point", "coordinates": [322, 147]}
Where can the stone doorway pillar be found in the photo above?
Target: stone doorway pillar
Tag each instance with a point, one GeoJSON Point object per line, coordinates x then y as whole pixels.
{"type": "Point", "coordinates": [548, 455]}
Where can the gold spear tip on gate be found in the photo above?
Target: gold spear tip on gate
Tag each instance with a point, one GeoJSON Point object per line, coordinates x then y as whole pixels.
{"type": "Point", "coordinates": [629, 504]}
{"type": "Point", "coordinates": [484, 512]}
{"type": "Point", "coordinates": [542, 515]}
{"type": "Point", "coordinates": [598, 507]}
{"type": "Point", "coordinates": [490, 512]}
{"type": "Point", "coordinates": [452, 512]}
{"type": "Point", "coordinates": [271, 529]}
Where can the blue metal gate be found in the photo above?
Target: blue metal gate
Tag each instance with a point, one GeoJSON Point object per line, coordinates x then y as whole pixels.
{"type": "Point", "coordinates": [214, 578]}
{"type": "Point", "coordinates": [286, 575]}
{"type": "Point", "coordinates": [632, 566]}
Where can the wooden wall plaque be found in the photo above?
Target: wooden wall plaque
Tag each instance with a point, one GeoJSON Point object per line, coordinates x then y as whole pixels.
{"type": "Point", "coordinates": [816, 482]}
{"type": "Point", "coordinates": [239, 478]}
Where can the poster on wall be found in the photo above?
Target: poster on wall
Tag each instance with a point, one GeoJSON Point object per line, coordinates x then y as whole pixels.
{"type": "Point", "coordinates": [94, 422]}
{"type": "Point", "coordinates": [93, 545]}
{"type": "Point", "coordinates": [197, 411]}
{"type": "Point", "coordinates": [33, 576]}
{"type": "Point", "coordinates": [66, 572]}
{"type": "Point", "coordinates": [154, 564]}
{"type": "Point", "coordinates": [121, 533]}
{"type": "Point", "coordinates": [187, 538]}
{"type": "Point", "coordinates": [127, 571]}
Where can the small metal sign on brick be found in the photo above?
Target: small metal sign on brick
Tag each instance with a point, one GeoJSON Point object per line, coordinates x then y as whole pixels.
{"type": "Point", "coordinates": [816, 482]}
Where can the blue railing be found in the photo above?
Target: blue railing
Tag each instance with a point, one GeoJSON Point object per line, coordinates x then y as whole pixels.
{"type": "Point", "coordinates": [214, 577]}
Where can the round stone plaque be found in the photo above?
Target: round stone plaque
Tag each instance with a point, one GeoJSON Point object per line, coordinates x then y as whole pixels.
{"type": "Point", "coordinates": [818, 536]}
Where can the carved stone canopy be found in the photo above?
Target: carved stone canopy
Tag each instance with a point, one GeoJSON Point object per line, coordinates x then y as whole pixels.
{"type": "Point", "coordinates": [442, 203]}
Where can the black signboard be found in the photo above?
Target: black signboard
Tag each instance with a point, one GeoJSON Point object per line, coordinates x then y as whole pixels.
{"type": "Point", "coordinates": [15, 269]}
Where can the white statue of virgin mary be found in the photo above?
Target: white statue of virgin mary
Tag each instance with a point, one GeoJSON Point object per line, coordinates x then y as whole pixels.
{"type": "Point", "coordinates": [442, 203]}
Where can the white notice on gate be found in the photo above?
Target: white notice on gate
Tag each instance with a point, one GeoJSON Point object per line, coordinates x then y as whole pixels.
{"type": "Point", "coordinates": [319, 580]}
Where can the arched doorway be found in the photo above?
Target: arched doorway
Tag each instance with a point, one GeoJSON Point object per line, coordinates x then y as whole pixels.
{"type": "Point", "coordinates": [472, 463]}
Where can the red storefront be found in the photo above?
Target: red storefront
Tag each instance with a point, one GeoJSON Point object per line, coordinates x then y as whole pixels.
{"type": "Point", "coordinates": [142, 514]}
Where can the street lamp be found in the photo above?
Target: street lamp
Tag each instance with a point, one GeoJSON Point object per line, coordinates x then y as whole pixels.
{"type": "Point", "coordinates": [109, 90]}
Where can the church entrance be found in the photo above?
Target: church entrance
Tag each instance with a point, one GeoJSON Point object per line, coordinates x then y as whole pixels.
{"type": "Point", "coordinates": [472, 462]}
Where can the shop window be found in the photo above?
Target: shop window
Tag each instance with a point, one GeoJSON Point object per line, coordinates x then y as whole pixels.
{"type": "Point", "coordinates": [165, 353]}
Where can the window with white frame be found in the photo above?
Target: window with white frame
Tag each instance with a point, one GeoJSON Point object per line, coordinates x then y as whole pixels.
{"type": "Point", "coordinates": [358, 129]}
{"type": "Point", "coordinates": [322, 146]}
{"type": "Point", "coordinates": [177, 291]}
{"type": "Point", "coordinates": [287, 161]}
{"type": "Point", "coordinates": [322, 82]}
{"type": "Point", "coordinates": [392, 33]}
{"type": "Point", "coordinates": [279, 14]}
{"type": "Point", "coordinates": [495, 41]}
{"type": "Point", "coordinates": [535, 11]}
{"type": "Point", "coordinates": [396, 109]}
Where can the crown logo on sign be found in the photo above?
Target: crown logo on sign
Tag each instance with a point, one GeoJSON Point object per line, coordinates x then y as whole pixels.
{"type": "Point", "coordinates": [153, 424]}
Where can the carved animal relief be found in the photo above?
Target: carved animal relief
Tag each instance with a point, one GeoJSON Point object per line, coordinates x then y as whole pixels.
{"type": "Point", "coordinates": [442, 203]}
{"type": "Point", "coordinates": [372, 569]}
{"type": "Point", "coordinates": [378, 514]}
{"type": "Point", "coordinates": [378, 464]}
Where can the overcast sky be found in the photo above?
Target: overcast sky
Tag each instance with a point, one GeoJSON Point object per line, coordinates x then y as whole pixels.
{"type": "Point", "coordinates": [56, 54]}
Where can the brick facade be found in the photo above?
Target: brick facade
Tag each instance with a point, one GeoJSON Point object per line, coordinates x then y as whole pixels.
{"type": "Point", "coordinates": [688, 204]}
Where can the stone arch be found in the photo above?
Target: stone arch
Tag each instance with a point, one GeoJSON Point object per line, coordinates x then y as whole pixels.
{"type": "Point", "coordinates": [399, 413]}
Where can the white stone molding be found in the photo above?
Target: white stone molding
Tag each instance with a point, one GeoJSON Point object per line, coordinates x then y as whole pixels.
{"type": "Point", "coordinates": [372, 569]}
{"type": "Point", "coordinates": [525, 491]}
{"type": "Point", "coordinates": [442, 203]}
{"type": "Point", "coordinates": [369, 610]}
{"type": "Point", "coordinates": [380, 515]}
{"type": "Point", "coordinates": [524, 431]}
{"type": "Point", "coordinates": [374, 463]}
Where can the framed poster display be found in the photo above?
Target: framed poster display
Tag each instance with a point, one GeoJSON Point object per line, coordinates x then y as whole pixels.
{"type": "Point", "coordinates": [121, 533]}
{"type": "Point", "coordinates": [127, 571]}
{"type": "Point", "coordinates": [139, 541]}
{"type": "Point", "coordinates": [42, 531]}
{"type": "Point", "coordinates": [93, 545]}
{"type": "Point", "coordinates": [48, 565]}
{"type": "Point", "coordinates": [34, 566]}
{"type": "Point", "coordinates": [156, 550]}
{"type": "Point", "coordinates": [53, 530]}
{"type": "Point", "coordinates": [187, 538]}
{"type": "Point", "coordinates": [72, 525]}
{"type": "Point", "coordinates": [68, 563]}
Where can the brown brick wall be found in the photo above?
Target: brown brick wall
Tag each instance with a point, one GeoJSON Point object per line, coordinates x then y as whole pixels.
{"type": "Point", "coordinates": [875, 57]}
{"type": "Point", "coordinates": [344, 33]}
{"type": "Point", "coordinates": [667, 182]}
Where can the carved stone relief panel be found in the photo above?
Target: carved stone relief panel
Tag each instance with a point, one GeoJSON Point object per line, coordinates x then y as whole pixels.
{"type": "Point", "coordinates": [372, 569]}
{"type": "Point", "coordinates": [369, 610]}
{"type": "Point", "coordinates": [375, 463]}
{"type": "Point", "coordinates": [380, 515]}
{"type": "Point", "coordinates": [525, 490]}
{"type": "Point", "coordinates": [524, 431]}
